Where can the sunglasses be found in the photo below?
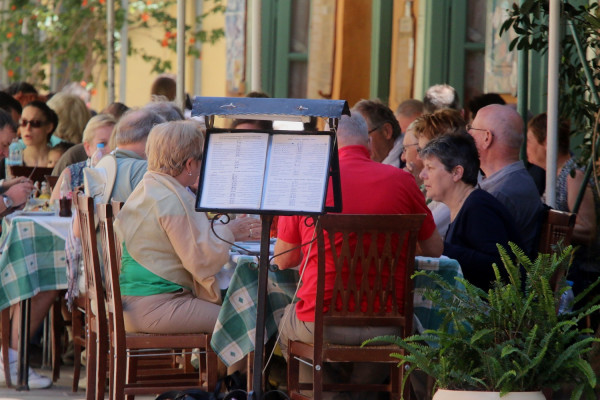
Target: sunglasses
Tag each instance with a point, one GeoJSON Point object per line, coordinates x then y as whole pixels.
{"type": "Point", "coordinates": [34, 123]}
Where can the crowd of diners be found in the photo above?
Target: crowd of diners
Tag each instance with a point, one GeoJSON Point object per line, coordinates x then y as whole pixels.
{"type": "Point", "coordinates": [460, 167]}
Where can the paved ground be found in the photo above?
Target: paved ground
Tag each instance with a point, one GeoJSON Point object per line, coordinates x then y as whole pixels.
{"type": "Point", "coordinates": [60, 390]}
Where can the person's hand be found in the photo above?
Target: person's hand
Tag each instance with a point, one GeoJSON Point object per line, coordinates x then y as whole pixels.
{"type": "Point", "coordinates": [19, 192]}
{"type": "Point", "coordinates": [11, 182]}
{"type": "Point", "coordinates": [245, 228]}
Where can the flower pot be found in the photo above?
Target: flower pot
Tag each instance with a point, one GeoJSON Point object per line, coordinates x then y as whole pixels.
{"type": "Point", "coordinates": [442, 394]}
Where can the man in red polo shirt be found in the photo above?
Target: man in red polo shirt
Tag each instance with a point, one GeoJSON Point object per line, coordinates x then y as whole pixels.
{"type": "Point", "coordinates": [368, 187]}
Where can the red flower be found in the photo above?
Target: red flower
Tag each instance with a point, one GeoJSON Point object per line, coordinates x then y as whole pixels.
{"type": "Point", "coordinates": [192, 40]}
{"type": "Point", "coordinates": [164, 43]}
{"type": "Point", "coordinates": [84, 3]}
{"type": "Point", "coordinates": [9, 35]}
{"type": "Point", "coordinates": [83, 83]}
{"type": "Point", "coordinates": [145, 17]}
{"type": "Point", "coordinates": [10, 73]}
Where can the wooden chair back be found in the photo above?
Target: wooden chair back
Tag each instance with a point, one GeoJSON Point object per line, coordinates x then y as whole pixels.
{"type": "Point", "coordinates": [368, 261]}
{"type": "Point", "coordinates": [374, 260]}
{"type": "Point", "coordinates": [95, 311]}
{"type": "Point", "coordinates": [557, 226]}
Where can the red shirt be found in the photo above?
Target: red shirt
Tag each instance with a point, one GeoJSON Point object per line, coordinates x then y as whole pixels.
{"type": "Point", "coordinates": [368, 187]}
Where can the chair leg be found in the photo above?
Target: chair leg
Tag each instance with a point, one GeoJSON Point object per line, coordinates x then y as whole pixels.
{"type": "Point", "coordinates": [56, 322]}
{"type": "Point", "coordinates": [293, 375]}
{"type": "Point", "coordinates": [5, 337]}
{"type": "Point", "coordinates": [90, 390]}
{"type": "Point", "coordinates": [211, 369]}
{"type": "Point", "coordinates": [102, 350]}
{"type": "Point", "coordinates": [317, 380]}
{"type": "Point", "coordinates": [77, 331]}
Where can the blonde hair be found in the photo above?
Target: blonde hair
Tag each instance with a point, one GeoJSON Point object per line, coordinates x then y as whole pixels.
{"type": "Point", "coordinates": [96, 122]}
{"type": "Point", "coordinates": [171, 144]}
{"type": "Point", "coordinates": [439, 123]}
{"type": "Point", "coordinates": [73, 115]}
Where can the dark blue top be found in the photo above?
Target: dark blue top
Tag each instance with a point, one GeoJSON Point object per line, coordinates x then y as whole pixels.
{"type": "Point", "coordinates": [481, 223]}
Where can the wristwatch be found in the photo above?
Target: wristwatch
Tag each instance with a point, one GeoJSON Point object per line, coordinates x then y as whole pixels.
{"type": "Point", "coordinates": [7, 201]}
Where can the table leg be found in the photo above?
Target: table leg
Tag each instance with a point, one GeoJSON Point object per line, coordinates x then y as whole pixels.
{"type": "Point", "coordinates": [261, 306]}
{"type": "Point", "coordinates": [23, 372]}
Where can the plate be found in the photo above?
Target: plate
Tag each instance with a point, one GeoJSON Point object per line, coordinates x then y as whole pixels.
{"type": "Point", "coordinates": [38, 213]}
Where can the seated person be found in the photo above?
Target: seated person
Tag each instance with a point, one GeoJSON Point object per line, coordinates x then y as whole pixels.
{"type": "Point", "coordinates": [478, 221]}
{"type": "Point", "coordinates": [56, 152]}
{"type": "Point", "coordinates": [170, 254]}
{"type": "Point", "coordinates": [368, 187]}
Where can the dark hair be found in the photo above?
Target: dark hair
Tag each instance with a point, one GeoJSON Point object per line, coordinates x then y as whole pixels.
{"type": "Point", "coordinates": [62, 146]}
{"type": "Point", "coordinates": [22, 87]}
{"type": "Point", "coordinates": [378, 114]}
{"type": "Point", "coordinates": [49, 114]}
{"type": "Point", "coordinates": [477, 103]}
{"type": "Point", "coordinates": [7, 103]}
{"type": "Point", "coordinates": [115, 109]}
{"type": "Point", "coordinates": [266, 125]}
{"type": "Point", "coordinates": [6, 119]}
{"type": "Point", "coordinates": [258, 95]}
{"type": "Point", "coordinates": [164, 86]}
{"type": "Point", "coordinates": [455, 149]}
{"type": "Point", "coordinates": [538, 126]}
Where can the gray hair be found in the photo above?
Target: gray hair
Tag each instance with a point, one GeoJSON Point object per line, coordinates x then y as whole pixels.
{"type": "Point", "coordinates": [135, 125]}
{"type": "Point", "coordinates": [440, 96]}
{"type": "Point", "coordinates": [166, 109]}
{"type": "Point", "coordinates": [352, 130]}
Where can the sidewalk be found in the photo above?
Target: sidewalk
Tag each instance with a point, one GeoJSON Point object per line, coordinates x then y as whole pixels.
{"type": "Point", "coordinates": [60, 389]}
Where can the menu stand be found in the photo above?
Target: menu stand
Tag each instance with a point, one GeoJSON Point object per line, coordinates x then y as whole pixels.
{"type": "Point", "coordinates": [223, 147]}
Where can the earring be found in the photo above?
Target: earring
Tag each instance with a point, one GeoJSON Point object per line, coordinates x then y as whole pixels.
{"type": "Point", "coordinates": [190, 173]}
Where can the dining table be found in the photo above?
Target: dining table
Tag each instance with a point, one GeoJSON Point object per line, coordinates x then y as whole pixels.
{"type": "Point", "coordinates": [32, 260]}
{"type": "Point", "coordinates": [234, 333]}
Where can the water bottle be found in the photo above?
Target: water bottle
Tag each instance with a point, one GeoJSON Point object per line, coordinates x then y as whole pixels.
{"type": "Point", "coordinates": [65, 197]}
{"type": "Point", "coordinates": [93, 161]}
{"type": "Point", "coordinates": [566, 299]}
{"type": "Point", "coordinates": [15, 157]}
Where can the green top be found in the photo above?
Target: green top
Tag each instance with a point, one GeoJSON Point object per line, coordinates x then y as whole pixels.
{"type": "Point", "coordinates": [136, 280]}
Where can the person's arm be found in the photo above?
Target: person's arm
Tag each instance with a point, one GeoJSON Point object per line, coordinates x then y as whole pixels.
{"type": "Point", "coordinates": [585, 224]}
{"type": "Point", "coordinates": [291, 258]}
{"type": "Point", "coordinates": [433, 246]}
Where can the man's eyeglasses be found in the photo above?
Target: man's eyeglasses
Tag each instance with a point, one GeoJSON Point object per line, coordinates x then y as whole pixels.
{"type": "Point", "coordinates": [470, 128]}
{"type": "Point", "coordinates": [409, 145]}
{"type": "Point", "coordinates": [34, 123]}
{"type": "Point", "coordinates": [374, 129]}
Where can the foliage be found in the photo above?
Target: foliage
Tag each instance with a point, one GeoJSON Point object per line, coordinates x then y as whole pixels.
{"type": "Point", "coordinates": [71, 35]}
{"type": "Point", "coordinates": [508, 339]}
{"type": "Point", "coordinates": [530, 23]}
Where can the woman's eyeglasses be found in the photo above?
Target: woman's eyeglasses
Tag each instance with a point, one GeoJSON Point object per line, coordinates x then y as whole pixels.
{"type": "Point", "coordinates": [34, 123]}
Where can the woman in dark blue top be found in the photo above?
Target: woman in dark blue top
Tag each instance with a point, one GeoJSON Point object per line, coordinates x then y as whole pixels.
{"type": "Point", "coordinates": [477, 220]}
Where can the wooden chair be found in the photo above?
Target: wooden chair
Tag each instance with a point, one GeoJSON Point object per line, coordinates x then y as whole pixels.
{"type": "Point", "coordinates": [386, 243]}
{"type": "Point", "coordinates": [557, 227]}
{"type": "Point", "coordinates": [95, 311]}
{"type": "Point", "coordinates": [126, 379]}
{"type": "Point", "coordinates": [5, 338]}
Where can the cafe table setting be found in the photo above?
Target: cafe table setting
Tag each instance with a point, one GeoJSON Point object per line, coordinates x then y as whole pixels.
{"type": "Point", "coordinates": [233, 336]}
{"type": "Point", "coordinates": [33, 255]}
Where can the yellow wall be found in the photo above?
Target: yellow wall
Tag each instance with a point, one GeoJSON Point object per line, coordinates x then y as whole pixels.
{"type": "Point", "coordinates": [140, 77]}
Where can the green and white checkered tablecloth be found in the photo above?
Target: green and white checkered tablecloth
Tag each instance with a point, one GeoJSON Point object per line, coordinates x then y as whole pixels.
{"type": "Point", "coordinates": [33, 260]}
{"type": "Point", "coordinates": [233, 336]}
{"type": "Point", "coordinates": [234, 332]}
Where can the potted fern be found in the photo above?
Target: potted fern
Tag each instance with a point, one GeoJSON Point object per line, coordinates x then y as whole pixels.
{"type": "Point", "coordinates": [509, 339]}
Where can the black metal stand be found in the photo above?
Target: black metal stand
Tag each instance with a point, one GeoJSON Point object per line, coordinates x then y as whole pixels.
{"type": "Point", "coordinates": [23, 372]}
{"type": "Point", "coordinates": [261, 308]}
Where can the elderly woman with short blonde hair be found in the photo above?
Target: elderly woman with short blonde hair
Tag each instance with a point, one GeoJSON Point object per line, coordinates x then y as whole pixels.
{"type": "Point", "coordinates": [170, 254]}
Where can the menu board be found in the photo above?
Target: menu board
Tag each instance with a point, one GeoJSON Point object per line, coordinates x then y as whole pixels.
{"type": "Point", "coordinates": [249, 171]}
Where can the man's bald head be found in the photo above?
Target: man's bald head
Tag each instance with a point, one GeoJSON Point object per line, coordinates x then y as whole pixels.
{"type": "Point", "coordinates": [504, 122]}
